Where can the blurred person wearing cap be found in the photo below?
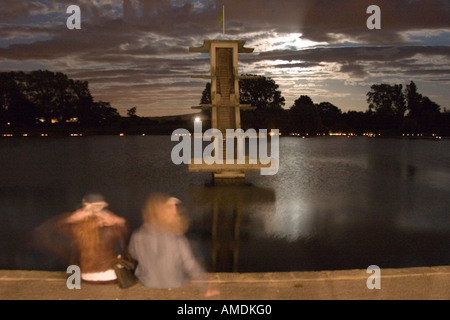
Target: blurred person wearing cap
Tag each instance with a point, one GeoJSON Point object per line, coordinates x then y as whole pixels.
{"type": "Point", "coordinates": [97, 234]}
{"type": "Point", "coordinates": [165, 258]}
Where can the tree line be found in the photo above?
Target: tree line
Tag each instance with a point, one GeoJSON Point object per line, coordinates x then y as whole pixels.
{"type": "Point", "coordinates": [45, 98]}
{"type": "Point", "coordinates": [392, 110]}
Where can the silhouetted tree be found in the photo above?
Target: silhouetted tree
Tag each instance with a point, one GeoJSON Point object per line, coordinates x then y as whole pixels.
{"type": "Point", "coordinates": [304, 116]}
{"type": "Point", "coordinates": [15, 108]}
{"type": "Point", "coordinates": [264, 94]}
{"type": "Point", "coordinates": [261, 93]}
{"type": "Point", "coordinates": [105, 114]}
{"type": "Point", "coordinates": [45, 97]}
{"type": "Point", "coordinates": [206, 95]}
{"type": "Point", "coordinates": [330, 115]}
{"type": "Point", "coordinates": [205, 100]}
{"type": "Point", "coordinates": [387, 100]}
{"type": "Point", "coordinates": [85, 106]}
{"type": "Point", "coordinates": [389, 104]}
{"type": "Point", "coordinates": [132, 112]}
{"type": "Point", "coordinates": [423, 112]}
{"type": "Point", "coordinates": [413, 99]}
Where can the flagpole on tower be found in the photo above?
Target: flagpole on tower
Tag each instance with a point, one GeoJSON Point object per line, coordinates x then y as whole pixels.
{"type": "Point", "coordinates": [221, 20]}
{"type": "Point", "coordinates": [224, 21]}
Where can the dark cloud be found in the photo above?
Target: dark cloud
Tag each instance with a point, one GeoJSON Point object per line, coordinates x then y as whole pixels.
{"type": "Point", "coordinates": [14, 9]}
{"type": "Point", "coordinates": [355, 70]}
{"type": "Point", "coordinates": [329, 21]}
{"type": "Point", "coordinates": [355, 53]}
{"type": "Point", "coordinates": [373, 58]}
{"type": "Point", "coordinates": [294, 65]}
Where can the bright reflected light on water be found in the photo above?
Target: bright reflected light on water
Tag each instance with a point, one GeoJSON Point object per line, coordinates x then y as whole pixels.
{"type": "Point", "coordinates": [290, 221]}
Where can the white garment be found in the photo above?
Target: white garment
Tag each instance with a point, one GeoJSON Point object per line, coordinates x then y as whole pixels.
{"type": "Point", "coordinates": [109, 275]}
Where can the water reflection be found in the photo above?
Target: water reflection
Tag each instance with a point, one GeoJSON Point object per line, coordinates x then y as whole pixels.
{"type": "Point", "coordinates": [229, 208]}
{"type": "Point", "coordinates": [335, 203]}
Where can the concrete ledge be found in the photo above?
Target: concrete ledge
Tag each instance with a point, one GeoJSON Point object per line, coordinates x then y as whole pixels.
{"type": "Point", "coordinates": [430, 283]}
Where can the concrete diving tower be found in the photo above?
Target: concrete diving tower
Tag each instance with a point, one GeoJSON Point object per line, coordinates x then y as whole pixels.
{"type": "Point", "coordinates": [225, 107]}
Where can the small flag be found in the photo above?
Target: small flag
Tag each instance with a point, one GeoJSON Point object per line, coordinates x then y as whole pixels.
{"type": "Point", "coordinates": [220, 19]}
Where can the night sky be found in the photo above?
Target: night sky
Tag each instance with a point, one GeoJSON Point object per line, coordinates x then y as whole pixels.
{"type": "Point", "coordinates": [134, 53]}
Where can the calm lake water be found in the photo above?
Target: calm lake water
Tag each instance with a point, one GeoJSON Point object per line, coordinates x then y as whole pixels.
{"type": "Point", "coordinates": [336, 203]}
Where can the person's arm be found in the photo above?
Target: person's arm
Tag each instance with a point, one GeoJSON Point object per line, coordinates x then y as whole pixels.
{"type": "Point", "coordinates": [109, 219]}
{"type": "Point", "coordinates": [194, 269]}
{"type": "Point", "coordinates": [77, 216]}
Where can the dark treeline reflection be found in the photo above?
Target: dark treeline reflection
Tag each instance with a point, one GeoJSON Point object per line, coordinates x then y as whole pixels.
{"type": "Point", "coordinates": [225, 218]}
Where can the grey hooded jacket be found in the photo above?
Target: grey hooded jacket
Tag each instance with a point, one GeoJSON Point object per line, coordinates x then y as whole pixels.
{"type": "Point", "coordinates": [165, 260]}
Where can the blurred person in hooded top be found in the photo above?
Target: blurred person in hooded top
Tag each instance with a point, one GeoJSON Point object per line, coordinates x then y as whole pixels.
{"type": "Point", "coordinates": [98, 235]}
{"type": "Point", "coordinates": [165, 258]}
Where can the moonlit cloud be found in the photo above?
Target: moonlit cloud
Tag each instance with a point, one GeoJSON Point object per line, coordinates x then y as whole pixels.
{"type": "Point", "coordinates": [135, 52]}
